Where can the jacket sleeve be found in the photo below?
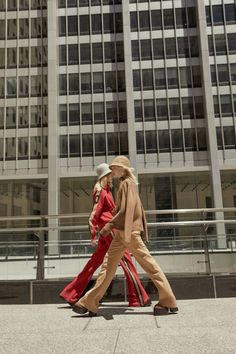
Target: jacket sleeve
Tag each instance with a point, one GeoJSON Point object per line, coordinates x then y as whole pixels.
{"type": "Point", "coordinates": [124, 216]}
{"type": "Point", "coordinates": [96, 212]}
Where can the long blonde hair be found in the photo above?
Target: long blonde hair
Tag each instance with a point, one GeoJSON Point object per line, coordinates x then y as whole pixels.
{"type": "Point", "coordinates": [129, 174]}
{"type": "Point", "coordinates": [101, 183]}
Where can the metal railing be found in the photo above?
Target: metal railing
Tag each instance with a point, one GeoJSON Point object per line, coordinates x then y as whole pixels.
{"type": "Point", "coordinates": [41, 225]}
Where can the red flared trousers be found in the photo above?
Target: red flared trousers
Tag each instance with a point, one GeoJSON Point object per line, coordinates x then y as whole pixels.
{"type": "Point", "coordinates": [137, 295]}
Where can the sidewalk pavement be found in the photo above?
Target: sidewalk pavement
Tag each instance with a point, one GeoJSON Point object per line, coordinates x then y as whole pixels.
{"type": "Point", "coordinates": [202, 326]}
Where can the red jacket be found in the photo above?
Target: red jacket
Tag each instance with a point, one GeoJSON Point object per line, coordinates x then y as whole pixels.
{"type": "Point", "coordinates": [103, 212]}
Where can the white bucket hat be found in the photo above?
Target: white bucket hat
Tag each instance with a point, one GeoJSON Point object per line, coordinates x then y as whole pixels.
{"type": "Point", "coordinates": [102, 170]}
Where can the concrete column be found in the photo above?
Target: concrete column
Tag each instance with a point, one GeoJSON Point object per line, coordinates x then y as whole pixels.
{"type": "Point", "coordinates": [129, 84]}
{"type": "Point", "coordinates": [53, 161]}
{"type": "Point", "coordinates": [210, 121]}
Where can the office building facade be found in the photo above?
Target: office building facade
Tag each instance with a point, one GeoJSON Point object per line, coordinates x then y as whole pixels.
{"type": "Point", "coordinates": [82, 81]}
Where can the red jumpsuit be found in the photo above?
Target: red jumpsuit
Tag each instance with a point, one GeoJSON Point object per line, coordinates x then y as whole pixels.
{"type": "Point", "coordinates": [102, 213]}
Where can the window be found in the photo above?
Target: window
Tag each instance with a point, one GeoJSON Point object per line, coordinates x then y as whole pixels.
{"type": "Point", "coordinates": [220, 44]}
{"type": "Point", "coordinates": [164, 141]}
{"type": "Point", "coordinates": [213, 75]}
{"type": "Point", "coordinates": [226, 105]}
{"type": "Point", "coordinates": [36, 85]}
{"type": "Point", "coordinates": [174, 108]}
{"type": "Point", "coordinates": [85, 83]}
{"type": "Point", "coordinates": [156, 19]}
{"type": "Point", "coordinates": [84, 25]}
{"type": "Point", "coordinates": [11, 29]}
{"type": "Point", "coordinates": [62, 26]}
{"type": "Point", "coordinates": [196, 76]}
{"type": "Point", "coordinates": [135, 50]}
{"type": "Point", "coordinates": [138, 111]}
{"type": "Point", "coordinates": [113, 143]}
{"type": "Point", "coordinates": [74, 145]}
{"type": "Point", "coordinates": [99, 113]}
{"type": "Point", "coordinates": [11, 57]}
{"type": "Point", "coordinates": [63, 114]}
{"type": "Point", "coordinates": [121, 81]}
{"type": "Point", "coordinates": [96, 24]}
{"type": "Point", "coordinates": [85, 55]}
{"type": "Point", "coordinates": [86, 113]}
{"type": "Point", "coordinates": [185, 77]}
{"type": "Point", "coordinates": [100, 144]}
{"type": "Point", "coordinates": [62, 84]}
{"type": "Point", "coordinates": [23, 28]}
{"type": "Point", "coordinates": [110, 79]}
{"type": "Point", "coordinates": [97, 53]}
{"type": "Point", "coordinates": [181, 17]}
{"type": "Point", "coordinates": [36, 56]}
{"type": "Point", "coordinates": [12, 6]}
{"type": "Point", "coordinates": [190, 140]}
{"type": "Point", "coordinates": [146, 52]}
{"type": "Point", "coordinates": [160, 79]}
{"type": "Point", "coordinates": [2, 87]}
{"type": "Point", "coordinates": [172, 78]}
{"type": "Point", "coordinates": [122, 112]}
{"type": "Point", "coordinates": [187, 108]}
{"type": "Point", "coordinates": [161, 107]}
{"type": "Point", "coordinates": [74, 114]}
{"type": "Point", "coordinates": [217, 11]}
{"type": "Point", "coordinates": [23, 57]}
{"type": "Point", "coordinates": [158, 49]}
{"type": "Point", "coordinates": [230, 13]}
{"type": "Point", "coordinates": [23, 116]}
{"type": "Point", "coordinates": [36, 27]}
{"type": "Point", "coordinates": [229, 137]}
{"type": "Point", "coordinates": [123, 143]}
{"type": "Point", "coordinates": [232, 43]}
{"type": "Point", "coordinates": [149, 110]}
{"type": "Point", "coordinates": [2, 58]}
{"type": "Point", "coordinates": [119, 51]}
{"type": "Point", "coordinates": [168, 18]}
{"type": "Point", "coordinates": [111, 112]}
{"type": "Point", "coordinates": [183, 47]}
{"type": "Point", "coordinates": [11, 87]}
{"type": "Point", "coordinates": [23, 148]}
{"type": "Point", "coordinates": [223, 74]}
{"type": "Point", "coordinates": [118, 22]}
{"type": "Point", "coordinates": [140, 142]}
{"type": "Point", "coordinates": [87, 145]}
{"type": "Point", "coordinates": [10, 147]}
{"type": "Point", "coordinates": [134, 21]}
{"type": "Point", "coordinates": [72, 25]}
{"type": "Point", "coordinates": [35, 116]}
{"type": "Point", "coordinates": [1, 117]}
{"type": "Point", "coordinates": [216, 106]}
{"type": "Point", "coordinates": [11, 117]}
{"type": "Point", "coordinates": [63, 146]}
{"type": "Point", "coordinates": [194, 50]}
{"type": "Point", "coordinates": [73, 84]}
{"type": "Point", "coordinates": [62, 55]}
{"type": "Point", "coordinates": [177, 140]}
{"type": "Point", "coordinates": [151, 141]}
{"type": "Point", "coordinates": [192, 19]}
{"type": "Point", "coordinates": [23, 86]}
{"type": "Point", "coordinates": [109, 52]}
{"type": "Point", "coordinates": [199, 107]}
{"type": "Point", "coordinates": [108, 23]}
{"type": "Point", "coordinates": [144, 21]}
{"type": "Point", "coordinates": [73, 54]}
{"type": "Point", "coordinates": [201, 138]}
{"type": "Point", "coordinates": [2, 29]}
{"type": "Point", "coordinates": [98, 82]}
{"type": "Point", "coordinates": [170, 48]}
{"type": "Point", "coordinates": [233, 73]}
{"type": "Point", "coordinates": [35, 147]}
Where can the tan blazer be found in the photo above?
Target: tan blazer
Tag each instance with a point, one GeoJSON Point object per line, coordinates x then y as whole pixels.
{"type": "Point", "coordinates": [129, 215]}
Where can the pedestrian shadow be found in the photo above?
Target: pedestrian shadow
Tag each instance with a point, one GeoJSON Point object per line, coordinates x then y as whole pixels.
{"type": "Point", "coordinates": [109, 312]}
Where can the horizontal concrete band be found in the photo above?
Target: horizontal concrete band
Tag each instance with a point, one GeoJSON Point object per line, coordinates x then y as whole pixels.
{"type": "Point", "coordinates": [185, 287]}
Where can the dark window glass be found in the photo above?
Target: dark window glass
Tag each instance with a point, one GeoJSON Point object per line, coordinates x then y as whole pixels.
{"type": "Point", "coordinates": [172, 78]}
{"type": "Point", "coordinates": [146, 52]}
{"type": "Point", "coordinates": [229, 137]}
{"type": "Point", "coordinates": [109, 52]}
{"type": "Point", "coordinates": [36, 27]}
{"type": "Point", "coordinates": [220, 44]}
{"type": "Point", "coordinates": [147, 78]}
{"type": "Point", "coordinates": [183, 47]}
{"type": "Point", "coordinates": [177, 140]}
{"type": "Point", "coordinates": [190, 140]}
{"type": "Point", "coordinates": [213, 75]}
{"type": "Point", "coordinates": [233, 73]}
{"type": "Point", "coordinates": [144, 22]}
{"type": "Point", "coordinates": [149, 110]}
{"type": "Point", "coordinates": [140, 142]}
{"type": "Point", "coordinates": [62, 84]}
{"type": "Point", "coordinates": [2, 29]}
{"type": "Point", "coordinates": [208, 15]}
{"type": "Point", "coordinates": [158, 49]}
{"type": "Point", "coordinates": [74, 144]}
{"type": "Point", "coordinates": [23, 28]}
{"type": "Point", "coordinates": [74, 114]}
{"type": "Point", "coordinates": [63, 146]}
{"type": "Point", "coordinates": [230, 13]}
{"type": "Point", "coordinates": [119, 51]}
{"type": "Point", "coordinates": [86, 113]}
{"type": "Point", "coordinates": [97, 53]}
{"type": "Point", "coordinates": [217, 12]}
{"type": "Point", "coordinates": [73, 55]}
{"type": "Point", "coordinates": [72, 25]}
{"type": "Point", "coordinates": [164, 141]}
{"type": "Point", "coordinates": [170, 48]}
{"type": "Point", "coordinates": [62, 55]}
{"type": "Point", "coordinates": [63, 114]}
{"type": "Point", "coordinates": [226, 105]}
{"type": "Point", "coordinates": [23, 57]}
{"type": "Point", "coordinates": [99, 113]}
{"type": "Point", "coordinates": [110, 81]}
{"type": "Point", "coordinates": [156, 19]}
{"type": "Point", "coordinates": [100, 144]}
{"type": "Point", "coordinates": [73, 84]}
{"type": "Point", "coordinates": [85, 55]}
{"type": "Point", "coordinates": [174, 108]}
{"type": "Point", "coordinates": [151, 141]}
{"type": "Point", "coordinates": [23, 148]}
{"type": "Point", "coordinates": [86, 83]}
{"type": "Point", "coordinates": [111, 112]}
{"type": "Point", "coordinates": [11, 57]}
{"type": "Point", "coordinates": [232, 43]}
{"type": "Point", "coordinates": [11, 87]}
{"type": "Point", "coordinates": [83, 3]}
{"type": "Point", "coordinates": [168, 18]}
{"type": "Point", "coordinates": [87, 145]}
{"type": "Point", "coordinates": [98, 82]}
{"type": "Point", "coordinates": [187, 108]}
{"type": "Point", "coordinates": [134, 21]}
{"type": "Point", "coordinates": [2, 58]}
{"type": "Point", "coordinates": [121, 81]}
{"type": "Point", "coordinates": [216, 106]}
{"type": "Point", "coordinates": [108, 23]}
{"type": "Point", "coordinates": [122, 111]}
{"type": "Point", "coordinates": [219, 138]}
{"type": "Point", "coordinates": [160, 79]}
{"type": "Point", "coordinates": [118, 22]}
{"type": "Point", "coordinates": [124, 143]}
{"type": "Point", "coordinates": [201, 137]}
{"type": "Point", "coordinates": [96, 24]}
{"type": "Point", "coordinates": [135, 50]}
{"type": "Point", "coordinates": [181, 17]}
{"type": "Point", "coordinates": [185, 77]}
{"type": "Point", "coordinates": [138, 111]}
{"type": "Point", "coordinates": [23, 86]}
{"type": "Point", "coordinates": [23, 117]}
{"type": "Point", "coordinates": [161, 107]}
{"type": "Point", "coordinates": [194, 47]}
{"type": "Point", "coordinates": [199, 107]}
{"type": "Point", "coordinates": [12, 5]}
{"type": "Point", "coordinates": [210, 45]}
{"type": "Point", "coordinates": [196, 76]}
{"type": "Point", "coordinates": [11, 28]}
{"type": "Point", "coordinates": [84, 24]}
{"type": "Point", "coordinates": [11, 117]}
{"type": "Point", "coordinates": [71, 3]}
{"type": "Point", "coordinates": [2, 87]}
{"type": "Point", "coordinates": [192, 20]}
{"type": "Point", "coordinates": [113, 143]}
{"type": "Point", "coordinates": [223, 74]}
{"type": "Point", "coordinates": [137, 80]}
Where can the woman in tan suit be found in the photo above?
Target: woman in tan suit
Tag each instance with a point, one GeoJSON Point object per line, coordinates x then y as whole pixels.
{"type": "Point", "coordinates": [130, 231]}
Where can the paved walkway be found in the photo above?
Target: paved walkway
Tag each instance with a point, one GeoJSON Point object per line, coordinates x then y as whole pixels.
{"type": "Point", "coordinates": [202, 326]}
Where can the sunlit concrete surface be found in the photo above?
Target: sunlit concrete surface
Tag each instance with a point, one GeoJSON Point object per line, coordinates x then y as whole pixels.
{"type": "Point", "coordinates": [202, 326]}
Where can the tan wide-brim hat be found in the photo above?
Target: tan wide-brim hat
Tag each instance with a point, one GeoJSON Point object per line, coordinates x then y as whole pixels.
{"type": "Point", "coordinates": [121, 161]}
{"type": "Point", "coordinates": [103, 170]}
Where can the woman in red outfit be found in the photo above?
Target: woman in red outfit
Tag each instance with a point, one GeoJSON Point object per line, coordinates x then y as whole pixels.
{"type": "Point", "coordinates": [102, 213]}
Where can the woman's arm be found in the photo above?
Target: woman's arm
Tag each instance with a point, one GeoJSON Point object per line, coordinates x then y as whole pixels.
{"type": "Point", "coordinates": [96, 212]}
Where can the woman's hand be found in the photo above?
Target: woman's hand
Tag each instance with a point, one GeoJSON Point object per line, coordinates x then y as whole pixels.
{"type": "Point", "coordinates": [94, 242]}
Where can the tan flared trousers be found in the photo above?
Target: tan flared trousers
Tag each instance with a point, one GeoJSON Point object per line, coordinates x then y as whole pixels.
{"type": "Point", "coordinates": [136, 246]}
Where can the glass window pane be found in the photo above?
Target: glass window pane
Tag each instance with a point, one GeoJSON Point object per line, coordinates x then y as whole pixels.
{"type": "Point", "coordinates": [135, 50]}
{"type": "Point", "coordinates": [23, 57]}
{"type": "Point", "coordinates": [98, 82]}
{"type": "Point", "coordinates": [230, 13]}
{"type": "Point", "coordinates": [156, 19]}
{"type": "Point", "coordinates": [140, 142]}
{"type": "Point", "coordinates": [10, 147]}
{"type": "Point", "coordinates": [151, 141]}
{"type": "Point", "coordinates": [109, 52]}
{"type": "Point", "coordinates": [149, 110]}
{"type": "Point", "coordinates": [100, 144]}
{"type": "Point", "coordinates": [161, 107]}
{"type": "Point", "coordinates": [183, 47]}
{"type": "Point", "coordinates": [177, 140]}
{"type": "Point", "coordinates": [73, 54]}
{"type": "Point", "coordinates": [110, 79]}
{"type": "Point", "coordinates": [118, 22]}
{"type": "Point", "coordinates": [11, 117]}
{"type": "Point", "coordinates": [181, 17]}
{"type": "Point", "coordinates": [85, 83]}
{"type": "Point", "coordinates": [122, 111]}
{"type": "Point", "coordinates": [73, 84]}
{"type": "Point", "coordinates": [124, 143]}
{"type": "Point", "coordinates": [23, 28]}
{"type": "Point", "coordinates": [170, 48]}
{"type": "Point", "coordinates": [11, 87]}
{"type": "Point", "coordinates": [185, 77]}
{"type": "Point", "coordinates": [23, 86]}
{"type": "Point", "coordinates": [226, 105]}
{"type": "Point", "coordinates": [111, 112]}
{"type": "Point", "coordinates": [86, 113]}
{"type": "Point", "coordinates": [62, 55]}
{"type": "Point", "coordinates": [62, 84]}
{"type": "Point", "coordinates": [190, 140]}
{"type": "Point", "coordinates": [217, 11]}
{"type": "Point", "coordinates": [192, 19]}
{"type": "Point", "coordinates": [36, 85]}
{"type": "Point", "coordinates": [72, 25]}
{"type": "Point", "coordinates": [63, 146]}
{"type": "Point", "coordinates": [36, 27]}
{"type": "Point", "coordinates": [35, 116]}
{"type": "Point", "coordinates": [2, 29]}
{"type": "Point", "coordinates": [108, 23]}
{"type": "Point", "coordinates": [11, 29]}
{"type": "Point", "coordinates": [138, 111]}
{"type": "Point", "coordinates": [35, 147]}
{"type": "Point", "coordinates": [96, 24]}
{"type": "Point", "coordinates": [232, 43]}
{"type": "Point", "coordinates": [144, 22]}
{"type": "Point", "coordinates": [99, 113]}
{"type": "Point", "coordinates": [187, 107]}
{"type": "Point", "coordinates": [220, 44]}
{"type": "Point", "coordinates": [74, 145]}
{"type": "Point", "coordinates": [147, 76]}
{"type": "Point", "coordinates": [11, 57]}
{"type": "Point", "coordinates": [174, 108]}
{"type": "Point", "coordinates": [62, 26]}
{"type": "Point", "coordinates": [87, 145]}
{"type": "Point", "coordinates": [160, 79]}
{"type": "Point", "coordinates": [119, 51]}
{"type": "Point", "coordinates": [97, 53]}
{"type": "Point", "coordinates": [199, 107]}
{"type": "Point", "coordinates": [164, 141]}
{"type": "Point", "coordinates": [229, 137]}
{"type": "Point", "coordinates": [2, 58]}
{"type": "Point", "coordinates": [23, 148]}
{"type": "Point", "coordinates": [223, 74]}
{"type": "Point", "coordinates": [172, 78]}
{"type": "Point", "coordinates": [146, 52]}
{"type": "Point", "coordinates": [63, 114]}
{"type": "Point", "coordinates": [113, 144]}
{"type": "Point", "coordinates": [74, 114]}
{"type": "Point", "coordinates": [84, 24]}
{"type": "Point", "coordinates": [158, 49]}
{"type": "Point", "coordinates": [168, 18]}
{"type": "Point", "coordinates": [85, 55]}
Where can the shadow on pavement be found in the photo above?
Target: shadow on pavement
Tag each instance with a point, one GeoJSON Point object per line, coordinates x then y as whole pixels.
{"type": "Point", "coordinates": [111, 311]}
